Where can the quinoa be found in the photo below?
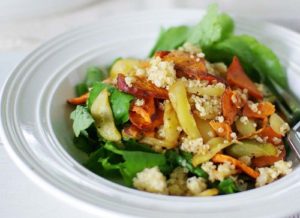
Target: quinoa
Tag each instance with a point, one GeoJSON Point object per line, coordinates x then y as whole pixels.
{"type": "Point", "coordinates": [151, 180]}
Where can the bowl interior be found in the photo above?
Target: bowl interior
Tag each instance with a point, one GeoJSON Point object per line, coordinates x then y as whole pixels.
{"type": "Point", "coordinates": [60, 110]}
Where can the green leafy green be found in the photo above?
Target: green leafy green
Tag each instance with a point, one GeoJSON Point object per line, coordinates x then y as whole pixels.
{"type": "Point", "coordinates": [134, 162]}
{"type": "Point", "coordinates": [170, 38]}
{"type": "Point", "coordinates": [185, 161]}
{"type": "Point", "coordinates": [133, 145]}
{"type": "Point", "coordinates": [255, 58]}
{"type": "Point", "coordinates": [119, 101]}
{"type": "Point", "coordinates": [228, 186]}
{"type": "Point", "coordinates": [85, 141]}
{"type": "Point", "coordinates": [81, 89]}
{"type": "Point", "coordinates": [94, 74]}
{"type": "Point", "coordinates": [96, 89]}
{"type": "Point", "coordinates": [81, 119]}
{"type": "Point", "coordinates": [214, 27]}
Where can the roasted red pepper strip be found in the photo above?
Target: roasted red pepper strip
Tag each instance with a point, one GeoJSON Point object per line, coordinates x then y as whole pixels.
{"type": "Point", "coordinates": [236, 76]}
{"type": "Point", "coordinates": [265, 161]}
{"type": "Point", "coordinates": [189, 66]}
{"type": "Point", "coordinates": [229, 109]}
{"type": "Point", "coordinates": [141, 88]}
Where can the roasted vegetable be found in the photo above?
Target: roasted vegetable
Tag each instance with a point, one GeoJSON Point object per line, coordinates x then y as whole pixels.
{"type": "Point", "coordinates": [180, 103]}
{"type": "Point", "coordinates": [264, 109]}
{"type": "Point", "coordinates": [237, 77]}
{"type": "Point", "coordinates": [141, 88]}
{"type": "Point", "coordinates": [251, 148]}
{"type": "Point", "coordinates": [79, 100]}
{"type": "Point", "coordinates": [246, 128]}
{"type": "Point", "coordinates": [206, 131]}
{"type": "Point", "coordinates": [229, 109]}
{"type": "Point", "coordinates": [104, 119]}
{"type": "Point", "coordinates": [277, 124]}
{"type": "Point", "coordinates": [221, 158]}
{"type": "Point", "coordinates": [216, 145]}
{"type": "Point", "coordinates": [126, 67]}
{"type": "Point", "coordinates": [171, 125]}
{"type": "Point", "coordinates": [222, 129]}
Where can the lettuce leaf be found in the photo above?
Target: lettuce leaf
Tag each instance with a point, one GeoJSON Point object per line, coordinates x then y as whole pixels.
{"type": "Point", "coordinates": [93, 75]}
{"type": "Point", "coordinates": [170, 38]}
{"type": "Point", "coordinates": [81, 119]}
{"type": "Point", "coordinates": [228, 186]}
{"type": "Point", "coordinates": [184, 160]}
{"type": "Point", "coordinates": [213, 27]}
{"type": "Point", "coordinates": [259, 61]}
{"type": "Point", "coordinates": [133, 162]}
{"type": "Point", "coordinates": [119, 101]}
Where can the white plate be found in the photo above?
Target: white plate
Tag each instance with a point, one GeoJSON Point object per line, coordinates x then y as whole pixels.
{"type": "Point", "coordinates": [37, 131]}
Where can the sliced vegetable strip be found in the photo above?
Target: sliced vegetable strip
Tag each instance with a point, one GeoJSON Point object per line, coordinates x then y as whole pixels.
{"type": "Point", "coordinates": [229, 109]}
{"type": "Point", "coordinates": [236, 76]}
{"type": "Point", "coordinates": [221, 158]}
{"type": "Point", "coordinates": [264, 109]}
{"type": "Point", "coordinates": [141, 88]}
{"type": "Point", "coordinates": [222, 129]}
{"type": "Point", "coordinates": [78, 100]}
{"type": "Point", "coordinates": [265, 161]}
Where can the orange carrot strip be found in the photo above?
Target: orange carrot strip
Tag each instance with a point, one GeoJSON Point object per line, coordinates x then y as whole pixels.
{"type": "Point", "coordinates": [78, 100]}
{"type": "Point", "coordinates": [265, 109]}
{"type": "Point", "coordinates": [229, 109]}
{"type": "Point", "coordinates": [236, 76]}
{"type": "Point", "coordinates": [221, 158]}
{"type": "Point", "coordinates": [222, 129]}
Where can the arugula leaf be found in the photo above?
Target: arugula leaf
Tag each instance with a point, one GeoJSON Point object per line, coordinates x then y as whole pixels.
{"type": "Point", "coordinates": [94, 74]}
{"type": "Point", "coordinates": [134, 162]}
{"type": "Point", "coordinates": [119, 101]}
{"type": "Point", "coordinates": [170, 38]}
{"type": "Point", "coordinates": [81, 119]}
{"type": "Point", "coordinates": [185, 161]}
{"type": "Point", "coordinates": [228, 186]}
{"type": "Point", "coordinates": [212, 28]}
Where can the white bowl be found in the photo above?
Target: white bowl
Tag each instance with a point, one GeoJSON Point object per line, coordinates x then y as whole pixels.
{"type": "Point", "coordinates": [37, 131]}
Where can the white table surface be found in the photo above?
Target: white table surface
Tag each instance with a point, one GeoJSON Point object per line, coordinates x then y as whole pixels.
{"type": "Point", "coordinates": [19, 196]}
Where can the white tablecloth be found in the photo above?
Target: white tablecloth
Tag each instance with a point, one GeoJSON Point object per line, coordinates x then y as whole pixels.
{"type": "Point", "coordinates": [19, 197]}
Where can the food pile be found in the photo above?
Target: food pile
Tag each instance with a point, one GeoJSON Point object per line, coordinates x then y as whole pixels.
{"type": "Point", "coordinates": [179, 123]}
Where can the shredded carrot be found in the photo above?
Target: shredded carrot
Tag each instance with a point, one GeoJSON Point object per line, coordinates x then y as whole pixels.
{"type": "Point", "coordinates": [79, 100]}
{"type": "Point", "coordinates": [264, 109]}
{"type": "Point", "coordinates": [222, 129]}
{"type": "Point", "coordinates": [221, 158]}
{"type": "Point", "coordinates": [236, 76]}
{"type": "Point", "coordinates": [229, 109]}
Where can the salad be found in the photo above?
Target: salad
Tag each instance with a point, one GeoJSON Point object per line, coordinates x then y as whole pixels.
{"type": "Point", "coordinates": [199, 117]}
